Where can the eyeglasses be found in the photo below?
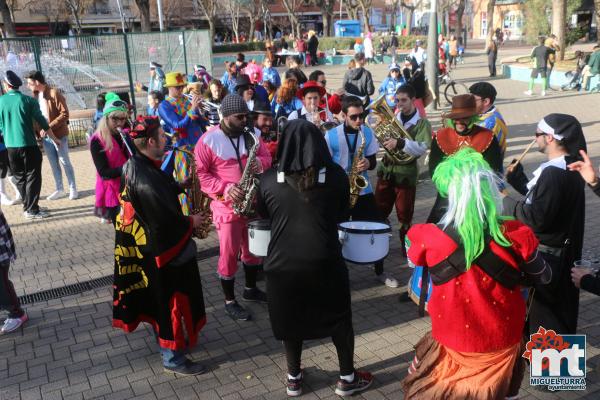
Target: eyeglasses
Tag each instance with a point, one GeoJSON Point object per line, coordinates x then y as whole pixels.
{"type": "Point", "coordinates": [355, 117]}
{"type": "Point", "coordinates": [120, 103]}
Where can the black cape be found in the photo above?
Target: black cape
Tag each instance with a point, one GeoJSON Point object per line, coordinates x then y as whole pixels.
{"type": "Point", "coordinates": [156, 277]}
{"type": "Point", "coordinates": [307, 279]}
{"type": "Point", "coordinates": [556, 214]}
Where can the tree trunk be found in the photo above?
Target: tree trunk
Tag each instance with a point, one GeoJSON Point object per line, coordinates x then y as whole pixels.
{"type": "Point", "coordinates": [144, 8]}
{"type": "Point", "coordinates": [597, 7]}
{"type": "Point", "coordinates": [366, 14]}
{"type": "Point", "coordinates": [211, 29]}
{"type": "Point", "coordinates": [409, 19]}
{"type": "Point", "coordinates": [252, 28]}
{"type": "Point", "coordinates": [394, 15]}
{"type": "Point", "coordinates": [559, 15]}
{"type": "Point", "coordinates": [490, 18]}
{"type": "Point", "coordinates": [326, 23]}
{"type": "Point", "coordinates": [7, 21]}
{"type": "Point", "coordinates": [459, 15]}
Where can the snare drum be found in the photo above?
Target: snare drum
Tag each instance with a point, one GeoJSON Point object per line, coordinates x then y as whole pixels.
{"type": "Point", "coordinates": [259, 236]}
{"type": "Point", "coordinates": [415, 284]}
{"type": "Point", "coordinates": [364, 242]}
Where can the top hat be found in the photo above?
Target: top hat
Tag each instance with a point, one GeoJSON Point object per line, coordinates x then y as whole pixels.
{"type": "Point", "coordinates": [175, 79]}
{"type": "Point", "coordinates": [463, 106]}
{"type": "Point", "coordinates": [243, 80]}
{"type": "Point", "coordinates": [310, 85]}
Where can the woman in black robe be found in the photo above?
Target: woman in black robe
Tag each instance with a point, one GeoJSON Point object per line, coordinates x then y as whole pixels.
{"type": "Point", "coordinates": [308, 290]}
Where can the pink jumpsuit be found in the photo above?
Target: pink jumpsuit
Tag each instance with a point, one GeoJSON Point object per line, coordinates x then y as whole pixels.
{"type": "Point", "coordinates": [218, 170]}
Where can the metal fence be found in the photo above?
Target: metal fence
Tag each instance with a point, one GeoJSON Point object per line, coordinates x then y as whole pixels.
{"type": "Point", "coordinates": [85, 66]}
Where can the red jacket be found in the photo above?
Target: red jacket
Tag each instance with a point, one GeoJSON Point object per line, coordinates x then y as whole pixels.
{"type": "Point", "coordinates": [473, 312]}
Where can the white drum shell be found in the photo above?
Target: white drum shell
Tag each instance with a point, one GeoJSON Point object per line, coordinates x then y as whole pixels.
{"type": "Point", "coordinates": [366, 247]}
{"type": "Point", "coordinates": [258, 240]}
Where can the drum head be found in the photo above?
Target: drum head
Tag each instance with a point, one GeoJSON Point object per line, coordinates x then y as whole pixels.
{"type": "Point", "coordinates": [260, 224]}
{"type": "Point", "coordinates": [364, 227]}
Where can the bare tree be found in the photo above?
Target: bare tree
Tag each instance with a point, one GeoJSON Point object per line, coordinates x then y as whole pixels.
{"type": "Point", "coordinates": [292, 7]}
{"type": "Point", "coordinates": [233, 8]}
{"type": "Point", "coordinates": [365, 6]}
{"type": "Point", "coordinates": [490, 21]}
{"type": "Point", "coordinates": [327, 10]}
{"type": "Point", "coordinates": [460, 10]}
{"type": "Point", "coordinates": [144, 9]}
{"type": "Point", "coordinates": [53, 12]}
{"type": "Point", "coordinates": [7, 20]}
{"type": "Point", "coordinates": [559, 15]}
{"type": "Point", "coordinates": [76, 8]}
{"type": "Point", "coordinates": [414, 4]}
{"type": "Point", "coordinates": [352, 8]}
{"type": "Point", "coordinates": [209, 9]}
{"type": "Point", "coordinates": [597, 8]}
{"type": "Point", "coordinates": [252, 8]}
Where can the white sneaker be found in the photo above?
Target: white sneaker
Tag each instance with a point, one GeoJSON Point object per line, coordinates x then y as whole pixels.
{"type": "Point", "coordinates": [12, 324]}
{"type": "Point", "coordinates": [387, 280]}
{"type": "Point", "coordinates": [528, 93]}
{"type": "Point", "coordinates": [73, 194]}
{"type": "Point", "coordinates": [543, 93]}
{"type": "Point", "coordinates": [5, 200]}
{"type": "Point", "coordinates": [56, 195]}
{"type": "Point", "coordinates": [105, 221]}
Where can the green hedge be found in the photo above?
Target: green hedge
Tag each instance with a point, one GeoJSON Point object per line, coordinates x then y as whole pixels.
{"type": "Point", "coordinates": [325, 43]}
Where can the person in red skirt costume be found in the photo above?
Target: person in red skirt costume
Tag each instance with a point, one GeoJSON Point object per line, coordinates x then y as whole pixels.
{"type": "Point", "coordinates": [479, 262]}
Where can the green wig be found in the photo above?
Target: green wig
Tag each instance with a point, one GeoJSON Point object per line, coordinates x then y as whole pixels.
{"type": "Point", "coordinates": [474, 201]}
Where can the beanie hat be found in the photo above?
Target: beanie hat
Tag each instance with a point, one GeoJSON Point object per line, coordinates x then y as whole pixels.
{"type": "Point", "coordinates": [13, 79]}
{"type": "Point", "coordinates": [233, 104]}
{"type": "Point", "coordinates": [114, 103]}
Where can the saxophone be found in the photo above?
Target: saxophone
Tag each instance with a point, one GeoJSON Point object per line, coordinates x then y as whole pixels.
{"type": "Point", "coordinates": [248, 182]}
{"type": "Point", "coordinates": [357, 181]}
{"type": "Point", "coordinates": [385, 126]}
{"type": "Point", "coordinates": [200, 201]}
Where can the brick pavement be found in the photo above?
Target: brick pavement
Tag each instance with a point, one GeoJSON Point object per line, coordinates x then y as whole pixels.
{"type": "Point", "coordinates": [68, 350]}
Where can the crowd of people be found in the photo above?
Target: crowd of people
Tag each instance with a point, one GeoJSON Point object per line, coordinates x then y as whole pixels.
{"type": "Point", "coordinates": [257, 145]}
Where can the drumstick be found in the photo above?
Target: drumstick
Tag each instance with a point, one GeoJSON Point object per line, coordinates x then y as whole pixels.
{"type": "Point", "coordinates": [518, 160]}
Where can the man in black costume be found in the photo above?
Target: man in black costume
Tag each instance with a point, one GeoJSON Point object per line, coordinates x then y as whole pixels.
{"type": "Point", "coordinates": [307, 278]}
{"type": "Point", "coordinates": [156, 277]}
{"type": "Point", "coordinates": [554, 207]}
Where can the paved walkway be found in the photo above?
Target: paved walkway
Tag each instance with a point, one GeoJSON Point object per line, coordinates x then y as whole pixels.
{"type": "Point", "coordinates": [69, 350]}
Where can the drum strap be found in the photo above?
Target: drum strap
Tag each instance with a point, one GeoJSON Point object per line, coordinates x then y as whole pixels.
{"type": "Point", "coordinates": [489, 262]}
{"type": "Point", "coordinates": [424, 290]}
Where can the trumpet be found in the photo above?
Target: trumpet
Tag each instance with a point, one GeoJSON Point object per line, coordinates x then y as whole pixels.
{"type": "Point", "coordinates": [206, 105]}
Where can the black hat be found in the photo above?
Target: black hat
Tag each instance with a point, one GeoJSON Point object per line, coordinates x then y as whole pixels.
{"type": "Point", "coordinates": [485, 90]}
{"type": "Point", "coordinates": [13, 79]}
{"type": "Point", "coordinates": [260, 107]}
{"type": "Point", "coordinates": [242, 80]}
{"type": "Point", "coordinates": [565, 128]}
{"type": "Point", "coordinates": [233, 104]}
{"type": "Point", "coordinates": [154, 65]}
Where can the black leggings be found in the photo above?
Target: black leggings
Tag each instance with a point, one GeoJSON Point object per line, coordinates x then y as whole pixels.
{"type": "Point", "coordinates": [343, 340]}
{"type": "Point", "coordinates": [8, 297]}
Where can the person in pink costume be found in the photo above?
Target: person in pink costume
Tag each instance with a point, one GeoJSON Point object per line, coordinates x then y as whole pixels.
{"type": "Point", "coordinates": [221, 155]}
{"type": "Point", "coordinates": [109, 154]}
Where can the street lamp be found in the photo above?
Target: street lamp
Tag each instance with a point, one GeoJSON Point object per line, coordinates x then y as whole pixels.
{"type": "Point", "coordinates": [431, 65]}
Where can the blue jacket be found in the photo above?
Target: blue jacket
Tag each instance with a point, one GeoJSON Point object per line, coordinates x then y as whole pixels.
{"type": "Point", "coordinates": [188, 126]}
{"type": "Point", "coordinates": [229, 82]}
{"type": "Point", "coordinates": [271, 75]}
{"type": "Point", "coordinates": [284, 110]}
{"type": "Point", "coordinates": [389, 87]}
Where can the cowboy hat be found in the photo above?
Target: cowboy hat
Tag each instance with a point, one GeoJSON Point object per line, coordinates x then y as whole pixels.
{"type": "Point", "coordinates": [463, 106]}
{"type": "Point", "coordinates": [310, 85]}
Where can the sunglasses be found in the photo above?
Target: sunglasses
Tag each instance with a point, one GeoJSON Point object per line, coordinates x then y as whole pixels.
{"type": "Point", "coordinates": [355, 117]}
{"type": "Point", "coordinates": [240, 117]}
{"type": "Point", "coordinates": [323, 82]}
{"type": "Point", "coordinates": [538, 134]}
{"type": "Point", "coordinates": [119, 119]}
{"type": "Point", "coordinates": [120, 103]}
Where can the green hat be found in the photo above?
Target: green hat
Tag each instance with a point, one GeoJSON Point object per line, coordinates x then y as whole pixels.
{"type": "Point", "coordinates": [114, 103]}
